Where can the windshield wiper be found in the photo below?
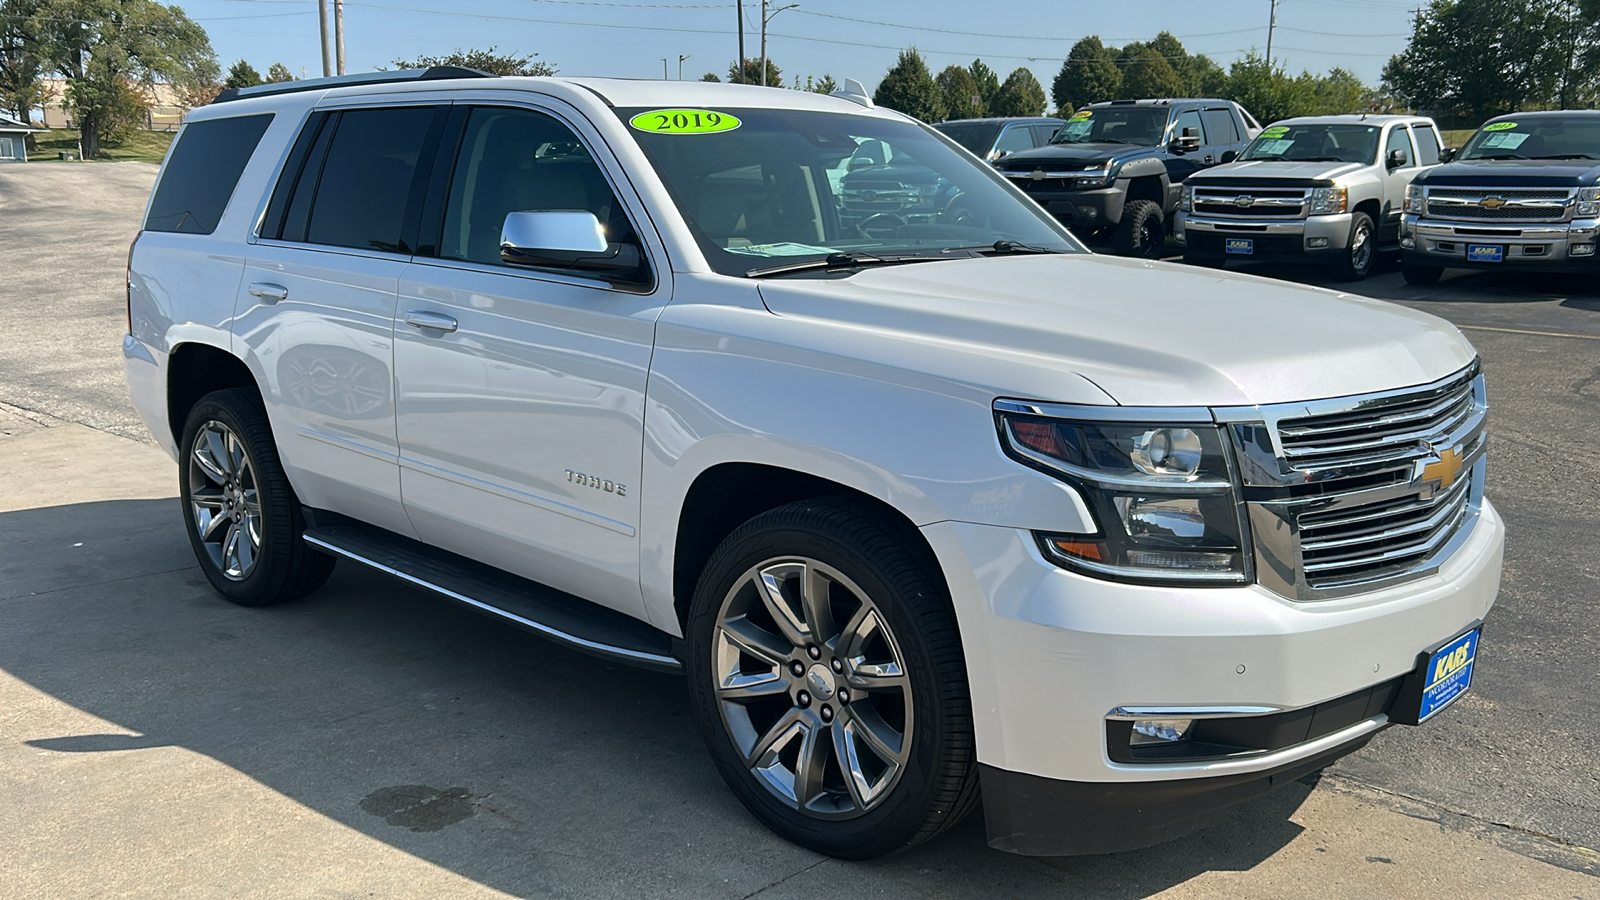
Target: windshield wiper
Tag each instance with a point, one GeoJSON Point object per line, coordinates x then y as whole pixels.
{"type": "Point", "coordinates": [852, 259]}
{"type": "Point", "coordinates": [1568, 156]}
{"type": "Point", "coordinates": [1001, 248]}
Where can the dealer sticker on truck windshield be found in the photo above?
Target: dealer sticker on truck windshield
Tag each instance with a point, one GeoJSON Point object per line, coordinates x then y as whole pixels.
{"type": "Point", "coordinates": [684, 121]}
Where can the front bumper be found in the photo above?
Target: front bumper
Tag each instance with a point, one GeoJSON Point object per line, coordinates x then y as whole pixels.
{"type": "Point", "coordinates": [1051, 653]}
{"type": "Point", "coordinates": [1087, 208]}
{"type": "Point", "coordinates": [1312, 239]}
{"type": "Point", "coordinates": [1526, 247]}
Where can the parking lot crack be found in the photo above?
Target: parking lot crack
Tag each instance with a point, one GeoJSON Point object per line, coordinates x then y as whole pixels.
{"type": "Point", "coordinates": [764, 888]}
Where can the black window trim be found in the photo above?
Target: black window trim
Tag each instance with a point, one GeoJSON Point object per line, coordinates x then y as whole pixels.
{"type": "Point", "coordinates": [432, 213]}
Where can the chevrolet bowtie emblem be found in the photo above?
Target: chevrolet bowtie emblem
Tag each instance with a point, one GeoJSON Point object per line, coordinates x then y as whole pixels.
{"type": "Point", "coordinates": [1037, 175]}
{"type": "Point", "coordinates": [1445, 470]}
{"type": "Point", "coordinates": [1492, 202]}
{"type": "Point", "coordinates": [1244, 201]}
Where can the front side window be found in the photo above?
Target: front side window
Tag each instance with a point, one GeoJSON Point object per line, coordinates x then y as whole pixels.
{"type": "Point", "coordinates": [1189, 118]}
{"type": "Point", "coordinates": [354, 187]}
{"type": "Point", "coordinates": [518, 160]}
{"type": "Point", "coordinates": [1315, 143]}
{"type": "Point", "coordinates": [977, 137]}
{"type": "Point", "coordinates": [1017, 137]}
{"type": "Point", "coordinates": [1139, 126]}
{"type": "Point", "coordinates": [202, 173]}
{"type": "Point", "coordinates": [783, 185]}
{"type": "Point", "coordinates": [1399, 141]}
{"type": "Point", "coordinates": [1536, 137]}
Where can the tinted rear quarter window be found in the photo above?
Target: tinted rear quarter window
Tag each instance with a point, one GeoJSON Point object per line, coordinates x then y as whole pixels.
{"type": "Point", "coordinates": [202, 172]}
{"type": "Point", "coordinates": [1219, 126]}
{"type": "Point", "coordinates": [359, 191]}
{"type": "Point", "coordinates": [1427, 145]}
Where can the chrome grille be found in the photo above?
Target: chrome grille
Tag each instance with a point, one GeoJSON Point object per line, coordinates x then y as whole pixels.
{"type": "Point", "coordinates": [1248, 203]}
{"type": "Point", "coordinates": [1355, 493]}
{"type": "Point", "coordinates": [1480, 204]}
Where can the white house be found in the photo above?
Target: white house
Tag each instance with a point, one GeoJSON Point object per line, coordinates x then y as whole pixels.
{"type": "Point", "coordinates": [14, 139]}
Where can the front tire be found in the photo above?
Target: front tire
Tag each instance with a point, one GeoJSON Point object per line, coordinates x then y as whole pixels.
{"type": "Point", "coordinates": [1361, 251]}
{"type": "Point", "coordinates": [1142, 232]}
{"type": "Point", "coordinates": [827, 677]}
{"type": "Point", "coordinates": [243, 519]}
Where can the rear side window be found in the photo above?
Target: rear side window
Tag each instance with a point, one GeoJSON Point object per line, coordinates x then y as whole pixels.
{"type": "Point", "coordinates": [1427, 145]}
{"type": "Point", "coordinates": [202, 172]}
{"type": "Point", "coordinates": [358, 178]}
{"type": "Point", "coordinates": [1219, 126]}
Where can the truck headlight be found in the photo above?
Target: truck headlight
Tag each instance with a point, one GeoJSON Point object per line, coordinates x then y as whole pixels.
{"type": "Point", "coordinates": [1329, 201]}
{"type": "Point", "coordinates": [1414, 198]}
{"type": "Point", "coordinates": [1186, 198]}
{"type": "Point", "coordinates": [1589, 201]}
{"type": "Point", "coordinates": [1163, 496]}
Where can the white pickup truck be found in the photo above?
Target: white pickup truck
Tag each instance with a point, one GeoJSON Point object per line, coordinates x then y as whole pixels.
{"type": "Point", "coordinates": [1319, 189]}
{"type": "Point", "coordinates": [910, 505]}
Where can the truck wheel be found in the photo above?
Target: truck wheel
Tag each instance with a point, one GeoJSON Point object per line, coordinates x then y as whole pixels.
{"type": "Point", "coordinates": [1142, 231]}
{"type": "Point", "coordinates": [1414, 274]}
{"type": "Point", "coordinates": [243, 519]}
{"type": "Point", "coordinates": [827, 677]}
{"type": "Point", "coordinates": [1360, 253]}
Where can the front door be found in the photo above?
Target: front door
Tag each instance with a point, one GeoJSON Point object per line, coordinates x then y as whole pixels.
{"type": "Point", "coordinates": [521, 391]}
{"type": "Point", "coordinates": [1395, 180]}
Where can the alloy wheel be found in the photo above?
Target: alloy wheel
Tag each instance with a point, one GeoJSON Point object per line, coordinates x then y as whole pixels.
{"type": "Point", "coordinates": [224, 500]}
{"type": "Point", "coordinates": [1361, 249]}
{"type": "Point", "coordinates": [812, 688]}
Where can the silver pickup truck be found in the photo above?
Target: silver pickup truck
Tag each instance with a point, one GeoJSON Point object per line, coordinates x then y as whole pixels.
{"type": "Point", "coordinates": [1311, 189]}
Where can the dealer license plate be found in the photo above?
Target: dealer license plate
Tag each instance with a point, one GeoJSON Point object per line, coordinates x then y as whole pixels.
{"type": "Point", "coordinates": [1242, 246]}
{"type": "Point", "coordinates": [1448, 674]}
{"type": "Point", "coordinates": [1485, 253]}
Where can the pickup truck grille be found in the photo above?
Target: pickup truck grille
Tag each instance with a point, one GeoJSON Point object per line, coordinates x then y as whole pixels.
{"type": "Point", "coordinates": [1364, 491]}
{"type": "Point", "coordinates": [1495, 204]}
{"type": "Point", "coordinates": [1250, 203]}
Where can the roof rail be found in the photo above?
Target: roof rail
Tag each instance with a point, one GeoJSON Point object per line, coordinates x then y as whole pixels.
{"type": "Point", "coordinates": [433, 73]}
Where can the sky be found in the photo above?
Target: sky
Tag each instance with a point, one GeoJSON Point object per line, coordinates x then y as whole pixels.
{"type": "Point", "coordinates": [843, 38]}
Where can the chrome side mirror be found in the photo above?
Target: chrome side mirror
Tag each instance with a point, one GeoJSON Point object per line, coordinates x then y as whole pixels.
{"type": "Point", "coordinates": [564, 232]}
{"type": "Point", "coordinates": [572, 241]}
{"type": "Point", "coordinates": [1187, 141]}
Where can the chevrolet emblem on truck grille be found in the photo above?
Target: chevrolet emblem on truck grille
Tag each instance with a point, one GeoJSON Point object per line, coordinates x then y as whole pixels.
{"type": "Point", "coordinates": [1244, 201]}
{"type": "Point", "coordinates": [1492, 202]}
{"type": "Point", "coordinates": [1444, 469]}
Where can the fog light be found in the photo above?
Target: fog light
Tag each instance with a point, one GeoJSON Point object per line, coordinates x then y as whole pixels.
{"type": "Point", "coordinates": [1159, 731]}
{"type": "Point", "coordinates": [1581, 250]}
{"type": "Point", "coordinates": [1088, 212]}
{"type": "Point", "coordinates": [1317, 243]}
{"type": "Point", "coordinates": [1408, 242]}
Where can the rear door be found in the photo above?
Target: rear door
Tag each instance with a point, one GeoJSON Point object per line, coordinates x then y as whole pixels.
{"type": "Point", "coordinates": [316, 305]}
{"type": "Point", "coordinates": [521, 418]}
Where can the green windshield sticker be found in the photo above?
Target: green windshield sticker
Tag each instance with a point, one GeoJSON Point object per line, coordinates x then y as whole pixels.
{"type": "Point", "coordinates": [1275, 131]}
{"type": "Point", "coordinates": [1500, 126]}
{"type": "Point", "coordinates": [684, 121]}
{"type": "Point", "coordinates": [1080, 115]}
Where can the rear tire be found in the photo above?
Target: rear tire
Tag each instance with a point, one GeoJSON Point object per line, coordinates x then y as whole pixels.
{"type": "Point", "coordinates": [1361, 251]}
{"type": "Point", "coordinates": [243, 519]}
{"type": "Point", "coordinates": [1420, 275]}
{"type": "Point", "coordinates": [785, 688]}
{"type": "Point", "coordinates": [1142, 232]}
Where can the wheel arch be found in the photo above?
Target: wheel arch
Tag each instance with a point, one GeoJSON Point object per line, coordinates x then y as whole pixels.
{"type": "Point", "coordinates": [1374, 210]}
{"type": "Point", "coordinates": [196, 369]}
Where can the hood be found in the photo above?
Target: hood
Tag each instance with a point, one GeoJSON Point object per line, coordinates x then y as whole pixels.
{"type": "Point", "coordinates": [1515, 173]}
{"type": "Point", "coordinates": [1273, 171]}
{"type": "Point", "coordinates": [1078, 153]}
{"type": "Point", "coordinates": [1146, 333]}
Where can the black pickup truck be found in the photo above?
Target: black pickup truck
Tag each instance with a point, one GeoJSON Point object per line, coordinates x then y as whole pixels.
{"type": "Point", "coordinates": [1523, 193]}
{"type": "Point", "coordinates": [1118, 166]}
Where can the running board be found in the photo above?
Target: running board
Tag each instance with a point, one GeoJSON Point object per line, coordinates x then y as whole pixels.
{"type": "Point", "coordinates": [552, 614]}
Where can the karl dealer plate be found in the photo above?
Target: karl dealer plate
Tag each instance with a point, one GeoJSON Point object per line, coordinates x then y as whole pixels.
{"type": "Point", "coordinates": [1242, 246]}
{"type": "Point", "coordinates": [1448, 674]}
{"type": "Point", "coordinates": [1485, 253]}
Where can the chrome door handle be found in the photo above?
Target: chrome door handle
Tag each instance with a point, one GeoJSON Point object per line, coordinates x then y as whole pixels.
{"type": "Point", "coordinates": [269, 292]}
{"type": "Point", "coordinates": [418, 318]}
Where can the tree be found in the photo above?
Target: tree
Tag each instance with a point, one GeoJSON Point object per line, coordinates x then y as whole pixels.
{"type": "Point", "coordinates": [241, 75]}
{"type": "Point", "coordinates": [1263, 89]}
{"type": "Point", "coordinates": [987, 81]}
{"type": "Point", "coordinates": [826, 85]}
{"type": "Point", "coordinates": [710, 76]}
{"type": "Point", "coordinates": [279, 73]}
{"type": "Point", "coordinates": [104, 48]}
{"type": "Point", "coordinates": [1148, 74]}
{"type": "Point", "coordinates": [1088, 75]}
{"type": "Point", "coordinates": [488, 60]}
{"type": "Point", "coordinates": [959, 93]}
{"type": "Point", "coordinates": [1335, 93]}
{"type": "Point", "coordinates": [1020, 95]}
{"type": "Point", "coordinates": [21, 62]}
{"type": "Point", "coordinates": [752, 73]}
{"type": "Point", "coordinates": [909, 88]}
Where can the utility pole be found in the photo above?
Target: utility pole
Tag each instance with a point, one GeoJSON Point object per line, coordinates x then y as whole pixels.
{"type": "Point", "coordinates": [338, 34]}
{"type": "Point", "coordinates": [327, 49]}
{"type": "Point", "coordinates": [739, 5]}
{"type": "Point", "coordinates": [1272, 25]}
{"type": "Point", "coordinates": [664, 75]}
{"type": "Point", "coordinates": [765, 18]}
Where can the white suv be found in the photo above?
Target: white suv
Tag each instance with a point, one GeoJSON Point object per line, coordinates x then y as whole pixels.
{"type": "Point", "coordinates": [913, 505]}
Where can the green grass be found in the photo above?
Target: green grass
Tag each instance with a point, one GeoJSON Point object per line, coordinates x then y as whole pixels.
{"type": "Point", "coordinates": [1455, 137]}
{"type": "Point", "coordinates": [144, 146]}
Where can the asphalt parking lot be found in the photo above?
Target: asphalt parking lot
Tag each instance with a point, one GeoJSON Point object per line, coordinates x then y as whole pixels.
{"type": "Point", "coordinates": [373, 741]}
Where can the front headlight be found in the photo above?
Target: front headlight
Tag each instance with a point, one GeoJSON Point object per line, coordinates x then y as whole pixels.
{"type": "Point", "coordinates": [1414, 198]}
{"type": "Point", "coordinates": [1589, 201]}
{"type": "Point", "coordinates": [1186, 198]}
{"type": "Point", "coordinates": [1329, 201]}
{"type": "Point", "coordinates": [1097, 176]}
{"type": "Point", "coordinates": [1163, 496]}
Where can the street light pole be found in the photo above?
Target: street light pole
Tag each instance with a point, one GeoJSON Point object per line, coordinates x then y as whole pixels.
{"type": "Point", "coordinates": [765, 18]}
{"type": "Point", "coordinates": [1272, 25]}
{"type": "Point", "coordinates": [663, 68]}
{"type": "Point", "coordinates": [338, 35]}
{"type": "Point", "coordinates": [739, 6]}
{"type": "Point", "coordinates": [327, 49]}
{"type": "Point", "coordinates": [681, 58]}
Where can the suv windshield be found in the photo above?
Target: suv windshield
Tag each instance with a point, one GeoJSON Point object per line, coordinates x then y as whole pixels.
{"type": "Point", "coordinates": [1537, 137]}
{"type": "Point", "coordinates": [977, 137]}
{"type": "Point", "coordinates": [1316, 142]}
{"type": "Point", "coordinates": [1141, 126]}
{"type": "Point", "coordinates": [759, 186]}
